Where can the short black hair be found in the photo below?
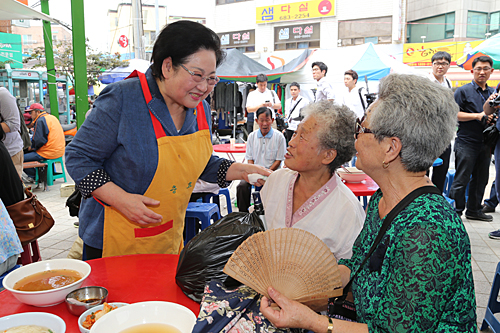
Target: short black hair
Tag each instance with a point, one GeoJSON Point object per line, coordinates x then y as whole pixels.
{"type": "Point", "coordinates": [352, 73]}
{"type": "Point", "coordinates": [180, 40]}
{"type": "Point", "coordinates": [321, 66]}
{"type": "Point", "coordinates": [441, 55]}
{"type": "Point", "coordinates": [264, 110]}
{"type": "Point", "coordinates": [295, 84]}
{"type": "Point", "coordinates": [261, 78]}
{"type": "Point", "coordinates": [482, 59]}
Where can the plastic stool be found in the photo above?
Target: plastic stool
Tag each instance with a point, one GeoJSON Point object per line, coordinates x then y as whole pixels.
{"type": "Point", "coordinates": [5, 274]}
{"type": "Point", "coordinates": [448, 181]}
{"type": "Point", "coordinates": [224, 192]}
{"type": "Point", "coordinates": [450, 201]}
{"type": "Point", "coordinates": [51, 175]}
{"type": "Point", "coordinates": [493, 305]}
{"type": "Point", "coordinates": [199, 211]}
{"type": "Point", "coordinates": [30, 254]}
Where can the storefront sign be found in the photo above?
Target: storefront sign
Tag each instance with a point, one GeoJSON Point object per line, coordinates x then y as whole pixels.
{"type": "Point", "coordinates": [420, 54]}
{"type": "Point", "coordinates": [123, 41]}
{"type": "Point", "coordinates": [295, 11]}
{"type": "Point", "coordinates": [297, 33]}
{"type": "Point", "coordinates": [11, 49]}
{"type": "Point", "coordinates": [237, 38]}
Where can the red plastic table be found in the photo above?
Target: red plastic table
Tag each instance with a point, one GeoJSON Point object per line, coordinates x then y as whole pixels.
{"type": "Point", "coordinates": [129, 279]}
{"type": "Point", "coordinates": [230, 149]}
{"type": "Point", "coordinates": [364, 189]}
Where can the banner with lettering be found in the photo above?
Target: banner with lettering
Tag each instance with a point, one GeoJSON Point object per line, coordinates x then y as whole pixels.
{"type": "Point", "coordinates": [295, 11]}
{"type": "Point", "coordinates": [420, 54]}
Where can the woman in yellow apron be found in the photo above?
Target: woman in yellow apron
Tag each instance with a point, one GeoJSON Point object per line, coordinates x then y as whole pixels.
{"type": "Point", "coordinates": [138, 155]}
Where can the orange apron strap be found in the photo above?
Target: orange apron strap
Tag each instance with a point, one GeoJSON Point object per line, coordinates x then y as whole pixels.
{"type": "Point", "coordinates": [159, 131]}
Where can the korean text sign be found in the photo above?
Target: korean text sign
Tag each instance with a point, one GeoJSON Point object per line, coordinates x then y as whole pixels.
{"type": "Point", "coordinates": [295, 11]}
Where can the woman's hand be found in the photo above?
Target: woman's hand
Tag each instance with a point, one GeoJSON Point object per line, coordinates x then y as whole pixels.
{"type": "Point", "coordinates": [285, 313]}
{"type": "Point", "coordinates": [241, 171]}
{"type": "Point", "coordinates": [132, 206]}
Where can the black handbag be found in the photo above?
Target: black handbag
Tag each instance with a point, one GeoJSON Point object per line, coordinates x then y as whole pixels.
{"type": "Point", "coordinates": [339, 307]}
{"type": "Point", "coordinates": [490, 135]}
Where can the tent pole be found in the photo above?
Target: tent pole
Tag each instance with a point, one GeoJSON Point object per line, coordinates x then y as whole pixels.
{"type": "Point", "coordinates": [235, 121]}
{"type": "Point", "coordinates": [79, 61]}
{"type": "Point", "coordinates": [49, 62]}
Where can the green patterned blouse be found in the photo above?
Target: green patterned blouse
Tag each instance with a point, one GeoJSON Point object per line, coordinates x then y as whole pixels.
{"type": "Point", "coordinates": [419, 279]}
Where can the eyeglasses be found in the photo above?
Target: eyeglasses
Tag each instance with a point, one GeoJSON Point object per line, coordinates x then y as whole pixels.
{"type": "Point", "coordinates": [480, 69]}
{"type": "Point", "coordinates": [441, 64]}
{"type": "Point", "coordinates": [358, 129]}
{"type": "Point", "coordinates": [211, 80]}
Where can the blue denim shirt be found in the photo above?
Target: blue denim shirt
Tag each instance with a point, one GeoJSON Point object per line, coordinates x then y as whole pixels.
{"type": "Point", "coordinates": [118, 136]}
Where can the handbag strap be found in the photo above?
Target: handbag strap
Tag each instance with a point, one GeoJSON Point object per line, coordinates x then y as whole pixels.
{"type": "Point", "coordinates": [293, 109]}
{"type": "Point", "coordinates": [387, 222]}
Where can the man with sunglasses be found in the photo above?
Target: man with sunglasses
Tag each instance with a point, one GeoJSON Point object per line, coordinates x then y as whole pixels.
{"type": "Point", "coordinates": [472, 156]}
{"type": "Point", "coordinates": [440, 64]}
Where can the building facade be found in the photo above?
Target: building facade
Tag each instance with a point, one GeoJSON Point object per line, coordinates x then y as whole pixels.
{"type": "Point", "coordinates": [32, 35]}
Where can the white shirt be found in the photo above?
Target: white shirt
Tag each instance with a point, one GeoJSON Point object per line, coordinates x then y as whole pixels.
{"type": "Point", "coordinates": [256, 97]}
{"type": "Point", "coordinates": [289, 105]}
{"type": "Point", "coordinates": [333, 213]}
{"type": "Point", "coordinates": [265, 150]}
{"type": "Point", "coordinates": [325, 90]}
{"type": "Point", "coordinates": [446, 83]}
{"type": "Point", "coordinates": [352, 100]}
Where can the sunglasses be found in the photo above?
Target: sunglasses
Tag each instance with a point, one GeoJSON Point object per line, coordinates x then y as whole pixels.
{"type": "Point", "coordinates": [358, 129]}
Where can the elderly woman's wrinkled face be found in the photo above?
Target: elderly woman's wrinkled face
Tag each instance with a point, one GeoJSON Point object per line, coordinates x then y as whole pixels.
{"type": "Point", "coordinates": [183, 86]}
{"type": "Point", "coordinates": [303, 152]}
{"type": "Point", "coordinates": [367, 147]}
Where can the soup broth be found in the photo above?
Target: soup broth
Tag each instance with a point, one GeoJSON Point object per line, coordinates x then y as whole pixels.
{"type": "Point", "coordinates": [152, 328]}
{"type": "Point", "coordinates": [47, 280]}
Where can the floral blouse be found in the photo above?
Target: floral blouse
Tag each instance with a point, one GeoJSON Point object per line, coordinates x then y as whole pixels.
{"type": "Point", "coordinates": [419, 279]}
{"type": "Point", "coordinates": [9, 241]}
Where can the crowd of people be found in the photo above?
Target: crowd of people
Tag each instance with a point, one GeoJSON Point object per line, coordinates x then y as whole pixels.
{"type": "Point", "coordinates": [148, 141]}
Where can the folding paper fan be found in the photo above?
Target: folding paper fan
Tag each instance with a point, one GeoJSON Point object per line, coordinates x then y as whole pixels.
{"type": "Point", "coordinates": [291, 260]}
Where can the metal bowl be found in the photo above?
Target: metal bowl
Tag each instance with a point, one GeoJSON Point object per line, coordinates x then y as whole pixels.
{"type": "Point", "coordinates": [80, 300]}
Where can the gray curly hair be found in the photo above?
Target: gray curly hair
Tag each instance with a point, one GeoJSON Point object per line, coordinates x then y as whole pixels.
{"type": "Point", "coordinates": [421, 113]}
{"type": "Point", "coordinates": [336, 130]}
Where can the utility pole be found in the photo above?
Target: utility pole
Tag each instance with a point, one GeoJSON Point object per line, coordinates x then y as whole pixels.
{"type": "Point", "coordinates": [139, 49]}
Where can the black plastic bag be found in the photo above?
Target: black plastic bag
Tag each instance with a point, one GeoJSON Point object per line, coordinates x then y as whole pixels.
{"type": "Point", "coordinates": [205, 256]}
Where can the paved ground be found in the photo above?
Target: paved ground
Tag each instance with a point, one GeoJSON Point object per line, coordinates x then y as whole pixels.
{"type": "Point", "coordinates": [485, 251]}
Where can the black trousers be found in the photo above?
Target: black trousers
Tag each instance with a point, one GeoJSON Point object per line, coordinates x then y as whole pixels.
{"type": "Point", "coordinates": [439, 173]}
{"type": "Point", "coordinates": [243, 192]}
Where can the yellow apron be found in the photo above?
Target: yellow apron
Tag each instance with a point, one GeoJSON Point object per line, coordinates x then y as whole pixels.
{"type": "Point", "coordinates": [181, 160]}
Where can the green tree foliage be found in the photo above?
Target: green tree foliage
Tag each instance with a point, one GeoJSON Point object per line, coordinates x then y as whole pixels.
{"type": "Point", "coordinates": [2, 63]}
{"type": "Point", "coordinates": [97, 61]}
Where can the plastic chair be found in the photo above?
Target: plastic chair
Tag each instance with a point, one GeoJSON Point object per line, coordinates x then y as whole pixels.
{"type": "Point", "coordinates": [448, 181]}
{"type": "Point", "coordinates": [51, 175]}
{"type": "Point", "coordinates": [5, 274]}
{"type": "Point", "coordinates": [203, 212]}
{"type": "Point", "coordinates": [224, 192]}
{"type": "Point", "coordinates": [30, 254]}
{"type": "Point", "coordinates": [493, 305]}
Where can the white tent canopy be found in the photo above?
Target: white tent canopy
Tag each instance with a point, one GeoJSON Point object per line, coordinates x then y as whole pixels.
{"type": "Point", "coordinates": [13, 10]}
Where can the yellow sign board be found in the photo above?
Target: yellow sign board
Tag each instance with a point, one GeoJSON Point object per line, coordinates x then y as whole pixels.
{"type": "Point", "coordinates": [295, 11]}
{"type": "Point", "coordinates": [420, 54]}
{"type": "Point", "coordinates": [491, 83]}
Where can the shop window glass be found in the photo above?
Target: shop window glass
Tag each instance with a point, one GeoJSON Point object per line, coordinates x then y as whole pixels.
{"type": "Point", "coordinates": [476, 24]}
{"type": "Point", "coordinates": [373, 40]}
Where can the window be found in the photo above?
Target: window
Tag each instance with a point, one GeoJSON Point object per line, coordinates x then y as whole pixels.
{"type": "Point", "coordinates": [144, 17]}
{"type": "Point", "coordinates": [494, 23]}
{"type": "Point", "coordinates": [476, 24]}
{"type": "Point", "coordinates": [375, 30]}
{"type": "Point", "coordinates": [27, 40]}
{"type": "Point", "coordinates": [54, 38]}
{"type": "Point", "coordinates": [433, 28]}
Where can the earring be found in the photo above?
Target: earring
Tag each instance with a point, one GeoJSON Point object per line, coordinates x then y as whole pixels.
{"type": "Point", "coordinates": [385, 165]}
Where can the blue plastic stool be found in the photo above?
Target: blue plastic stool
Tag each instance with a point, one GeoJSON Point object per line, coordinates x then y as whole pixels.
{"type": "Point", "coordinates": [437, 162]}
{"type": "Point", "coordinates": [224, 192]}
{"type": "Point", "coordinates": [51, 175]}
{"type": "Point", "coordinates": [493, 305]}
{"type": "Point", "coordinates": [199, 211]}
{"type": "Point", "coordinates": [5, 274]}
{"type": "Point", "coordinates": [448, 181]}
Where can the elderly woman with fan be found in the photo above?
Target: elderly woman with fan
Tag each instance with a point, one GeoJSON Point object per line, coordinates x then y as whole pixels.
{"type": "Point", "coordinates": [411, 265]}
{"type": "Point", "coordinates": [308, 194]}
